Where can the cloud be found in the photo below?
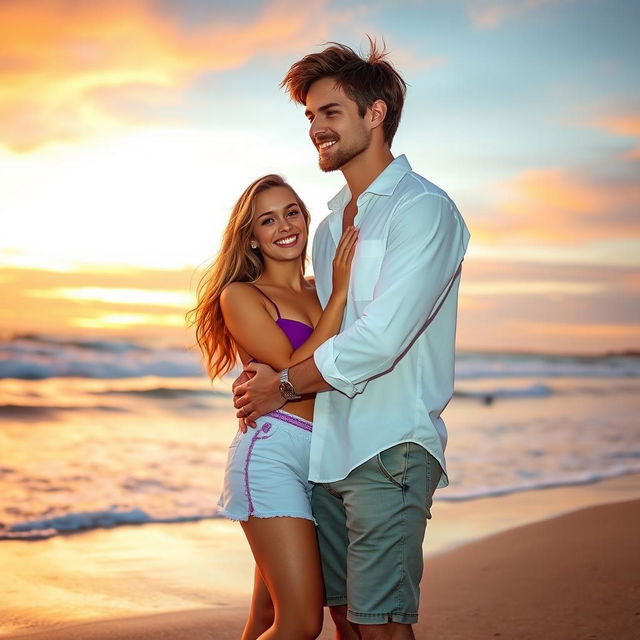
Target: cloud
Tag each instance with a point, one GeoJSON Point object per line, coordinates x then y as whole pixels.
{"type": "Point", "coordinates": [626, 124]}
{"type": "Point", "coordinates": [561, 206]}
{"type": "Point", "coordinates": [126, 301]}
{"type": "Point", "coordinates": [118, 295]}
{"type": "Point", "coordinates": [504, 305]}
{"type": "Point", "coordinates": [579, 277]}
{"type": "Point", "coordinates": [406, 60]}
{"type": "Point", "coordinates": [504, 287]}
{"type": "Point", "coordinates": [543, 290]}
{"type": "Point", "coordinates": [548, 306]}
{"type": "Point", "coordinates": [66, 66]}
{"type": "Point", "coordinates": [489, 14]}
{"type": "Point", "coordinates": [593, 331]}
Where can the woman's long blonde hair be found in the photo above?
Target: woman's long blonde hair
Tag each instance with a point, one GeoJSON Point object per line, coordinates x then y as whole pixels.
{"type": "Point", "coordinates": [235, 262]}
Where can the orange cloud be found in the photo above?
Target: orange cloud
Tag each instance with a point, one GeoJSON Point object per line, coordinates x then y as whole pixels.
{"type": "Point", "coordinates": [618, 280]}
{"type": "Point", "coordinates": [488, 14]}
{"type": "Point", "coordinates": [631, 282]}
{"type": "Point", "coordinates": [406, 60]}
{"type": "Point", "coordinates": [57, 58]}
{"type": "Point", "coordinates": [575, 330]}
{"type": "Point", "coordinates": [562, 207]}
{"type": "Point", "coordinates": [125, 302]}
{"type": "Point", "coordinates": [624, 125]}
{"type": "Point", "coordinates": [557, 307]}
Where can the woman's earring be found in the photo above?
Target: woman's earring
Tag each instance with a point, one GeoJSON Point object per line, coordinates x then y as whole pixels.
{"type": "Point", "coordinates": [254, 245]}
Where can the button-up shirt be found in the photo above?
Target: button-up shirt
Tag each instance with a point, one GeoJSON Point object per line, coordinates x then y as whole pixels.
{"type": "Point", "coordinates": [392, 364]}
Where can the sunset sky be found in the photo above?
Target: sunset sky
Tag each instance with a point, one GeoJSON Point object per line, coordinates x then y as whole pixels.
{"type": "Point", "coordinates": [129, 128]}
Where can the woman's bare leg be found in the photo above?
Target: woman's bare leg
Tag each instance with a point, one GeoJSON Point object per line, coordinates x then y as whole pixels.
{"type": "Point", "coordinates": [286, 553]}
{"type": "Point", "coordinates": [261, 613]}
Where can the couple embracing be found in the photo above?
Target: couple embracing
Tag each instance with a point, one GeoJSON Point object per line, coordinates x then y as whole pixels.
{"type": "Point", "coordinates": [341, 444]}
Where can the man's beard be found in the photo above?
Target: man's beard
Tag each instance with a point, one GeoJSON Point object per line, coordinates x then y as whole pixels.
{"type": "Point", "coordinates": [343, 156]}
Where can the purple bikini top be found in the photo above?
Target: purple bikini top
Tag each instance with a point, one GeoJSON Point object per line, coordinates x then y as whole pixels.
{"type": "Point", "coordinates": [297, 332]}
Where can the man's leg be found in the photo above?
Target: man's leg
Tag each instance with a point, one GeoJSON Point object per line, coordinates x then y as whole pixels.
{"type": "Point", "coordinates": [328, 510]}
{"type": "Point", "coordinates": [387, 501]}
{"type": "Point", "coordinates": [345, 630]}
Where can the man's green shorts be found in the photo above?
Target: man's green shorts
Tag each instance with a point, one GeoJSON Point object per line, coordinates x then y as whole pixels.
{"type": "Point", "coordinates": [371, 526]}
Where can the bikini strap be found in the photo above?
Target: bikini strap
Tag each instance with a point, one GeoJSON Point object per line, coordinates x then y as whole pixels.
{"type": "Point", "coordinates": [275, 306]}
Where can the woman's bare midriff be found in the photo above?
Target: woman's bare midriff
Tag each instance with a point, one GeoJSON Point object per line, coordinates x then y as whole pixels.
{"type": "Point", "coordinates": [302, 408]}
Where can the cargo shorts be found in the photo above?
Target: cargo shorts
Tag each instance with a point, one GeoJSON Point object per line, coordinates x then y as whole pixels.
{"type": "Point", "coordinates": [371, 526]}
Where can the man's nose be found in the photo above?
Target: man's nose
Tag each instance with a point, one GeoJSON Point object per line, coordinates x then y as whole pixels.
{"type": "Point", "coordinates": [316, 129]}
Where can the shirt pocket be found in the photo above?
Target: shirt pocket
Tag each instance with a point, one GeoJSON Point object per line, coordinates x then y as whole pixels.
{"type": "Point", "coordinates": [366, 268]}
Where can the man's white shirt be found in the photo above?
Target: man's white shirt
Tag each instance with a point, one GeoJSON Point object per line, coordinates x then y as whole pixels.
{"type": "Point", "coordinates": [392, 364]}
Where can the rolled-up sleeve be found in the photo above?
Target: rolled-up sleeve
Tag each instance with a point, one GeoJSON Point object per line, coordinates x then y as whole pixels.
{"type": "Point", "coordinates": [426, 245]}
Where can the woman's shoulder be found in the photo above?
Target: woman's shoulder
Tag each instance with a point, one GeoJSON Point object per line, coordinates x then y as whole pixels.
{"type": "Point", "coordinates": [236, 292]}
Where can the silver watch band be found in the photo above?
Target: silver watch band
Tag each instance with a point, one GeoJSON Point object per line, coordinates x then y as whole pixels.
{"type": "Point", "coordinates": [286, 387]}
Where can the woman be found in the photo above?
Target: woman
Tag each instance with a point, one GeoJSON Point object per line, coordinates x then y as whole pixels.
{"type": "Point", "coordinates": [255, 304]}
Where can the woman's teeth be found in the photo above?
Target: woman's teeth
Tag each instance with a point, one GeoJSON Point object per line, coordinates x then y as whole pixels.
{"type": "Point", "coordinates": [285, 242]}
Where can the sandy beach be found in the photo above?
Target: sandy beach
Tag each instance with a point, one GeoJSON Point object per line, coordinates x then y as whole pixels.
{"type": "Point", "coordinates": [558, 563]}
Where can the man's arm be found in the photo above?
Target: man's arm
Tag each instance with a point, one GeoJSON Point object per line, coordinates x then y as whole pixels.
{"type": "Point", "coordinates": [262, 395]}
{"type": "Point", "coordinates": [426, 245]}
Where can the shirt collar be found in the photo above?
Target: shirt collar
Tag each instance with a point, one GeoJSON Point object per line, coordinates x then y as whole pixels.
{"type": "Point", "coordinates": [384, 184]}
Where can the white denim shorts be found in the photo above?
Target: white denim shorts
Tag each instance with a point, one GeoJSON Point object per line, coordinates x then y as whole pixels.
{"type": "Point", "coordinates": [268, 469]}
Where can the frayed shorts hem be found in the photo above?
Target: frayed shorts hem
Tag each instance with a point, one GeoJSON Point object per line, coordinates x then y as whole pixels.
{"type": "Point", "coordinates": [381, 618]}
{"type": "Point", "coordinates": [245, 517]}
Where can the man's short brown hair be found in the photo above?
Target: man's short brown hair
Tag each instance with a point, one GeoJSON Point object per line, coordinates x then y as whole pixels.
{"type": "Point", "coordinates": [363, 80]}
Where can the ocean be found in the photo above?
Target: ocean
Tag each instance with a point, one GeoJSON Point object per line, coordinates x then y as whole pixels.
{"type": "Point", "coordinates": [96, 434]}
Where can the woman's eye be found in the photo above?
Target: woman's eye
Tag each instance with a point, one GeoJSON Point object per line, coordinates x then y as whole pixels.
{"type": "Point", "coordinates": [266, 221]}
{"type": "Point", "coordinates": [293, 212]}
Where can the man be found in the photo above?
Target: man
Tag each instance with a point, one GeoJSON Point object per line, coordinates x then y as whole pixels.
{"type": "Point", "coordinates": [377, 451]}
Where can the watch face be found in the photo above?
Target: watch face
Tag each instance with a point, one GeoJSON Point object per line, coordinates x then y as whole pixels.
{"type": "Point", "coordinates": [287, 391]}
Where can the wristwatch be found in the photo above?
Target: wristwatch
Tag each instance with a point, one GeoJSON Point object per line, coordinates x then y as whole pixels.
{"type": "Point", "coordinates": [286, 388]}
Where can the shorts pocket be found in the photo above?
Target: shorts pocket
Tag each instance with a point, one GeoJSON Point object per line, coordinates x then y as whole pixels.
{"type": "Point", "coordinates": [392, 463]}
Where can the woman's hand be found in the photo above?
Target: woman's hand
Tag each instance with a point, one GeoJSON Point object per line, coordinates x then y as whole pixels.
{"type": "Point", "coordinates": [245, 376]}
{"type": "Point", "coordinates": [342, 261]}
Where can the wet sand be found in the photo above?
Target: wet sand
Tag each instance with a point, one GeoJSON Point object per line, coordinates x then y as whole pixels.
{"type": "Point", "coordinates": [557, 563]}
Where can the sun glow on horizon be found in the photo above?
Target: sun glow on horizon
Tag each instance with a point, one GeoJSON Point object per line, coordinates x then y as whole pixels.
{"type": "Point", "coordinates": [180, 299]}
{"type": "Point", "coordinates": [124, 320]}
{"type": "Point", "coordinates": [128, 131]}
{"type": "Point", "coordinates": [121, 199]}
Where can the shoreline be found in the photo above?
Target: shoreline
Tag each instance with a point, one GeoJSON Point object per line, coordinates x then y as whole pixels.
{"type": "Point", "coordinates": [506, 494]}
{"type": "Point", "coordinates": [142, 581]}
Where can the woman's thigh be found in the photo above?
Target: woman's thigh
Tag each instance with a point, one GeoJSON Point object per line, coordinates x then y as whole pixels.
{"type": "Point", "coordinates": [286, 551]}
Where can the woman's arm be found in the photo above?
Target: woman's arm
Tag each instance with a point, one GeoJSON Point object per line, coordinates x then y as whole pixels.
{"type": "Point", "coordinates": [331, 318]}
{"type": "Point", "coordinates": [253, 329]}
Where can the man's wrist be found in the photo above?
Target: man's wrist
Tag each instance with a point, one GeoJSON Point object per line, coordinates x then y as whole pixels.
{"type": "Point", "coordinates": [306, 377]}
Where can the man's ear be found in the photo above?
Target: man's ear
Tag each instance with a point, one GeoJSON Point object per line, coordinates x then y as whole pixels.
{"type": "Point", "coordinates": [376, 113]}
